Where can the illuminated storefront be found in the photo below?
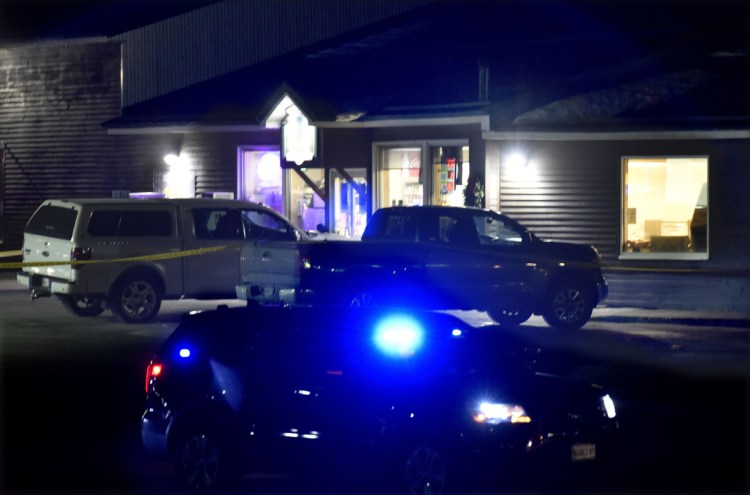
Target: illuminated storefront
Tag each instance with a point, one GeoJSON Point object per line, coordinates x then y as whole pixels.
{"type": "Point", "coordinates": [427, 174]}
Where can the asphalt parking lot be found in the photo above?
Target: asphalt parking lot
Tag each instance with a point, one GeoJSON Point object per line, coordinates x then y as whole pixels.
{"type": "Point", "coordinates": [72, 396]}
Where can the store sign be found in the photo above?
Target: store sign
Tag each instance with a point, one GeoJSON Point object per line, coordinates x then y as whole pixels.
{"type": "Point", "coordinates": [298, 137]}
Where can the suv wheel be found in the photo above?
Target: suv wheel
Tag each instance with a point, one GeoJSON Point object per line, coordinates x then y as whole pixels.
{"type": "Point", "coordinates": [202, 463]}
{"type": "Point", "coordinates": [83, 305]}
{"type": "Point", "coordinates": [568, 306]}
{"type": "Point", "coordinates": [424, 472]}
{"type": "Point", "coordinates": [135, 299]}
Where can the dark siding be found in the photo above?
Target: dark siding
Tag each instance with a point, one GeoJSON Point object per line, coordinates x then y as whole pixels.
{"type": "Point", "coordinates": [568, 192]}
{"type": "Point", "coordinates": [53, 99]}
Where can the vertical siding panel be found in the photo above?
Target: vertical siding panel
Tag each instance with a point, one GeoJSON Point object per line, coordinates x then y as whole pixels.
{"type": "Point", "coordinates": [53, 99]}
{"type": "Point", "coordinates": [229, 35]}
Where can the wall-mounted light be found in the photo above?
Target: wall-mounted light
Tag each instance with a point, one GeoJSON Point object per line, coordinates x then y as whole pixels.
{"type": "Point", "coordinates": [178, 181]}
{"type": "Point", "coordinates": [516, 161]}
{"type": "Point", "coordinates": [173, 160]}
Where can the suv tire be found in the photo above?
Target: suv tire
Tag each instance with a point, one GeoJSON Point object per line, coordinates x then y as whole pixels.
{"type": "Point", "coordinates": [204, 462]}
{"type": "Point", "coordinates": [135, 298]}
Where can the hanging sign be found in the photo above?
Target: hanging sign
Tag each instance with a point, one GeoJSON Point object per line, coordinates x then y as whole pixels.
{"type": "Point", "coordinates": [298, 137]}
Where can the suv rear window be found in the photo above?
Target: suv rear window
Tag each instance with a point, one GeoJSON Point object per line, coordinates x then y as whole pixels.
{"type": "Point", "coordinates": [53, 221]}
{"type": "Point", "coordinates": [116, 223]}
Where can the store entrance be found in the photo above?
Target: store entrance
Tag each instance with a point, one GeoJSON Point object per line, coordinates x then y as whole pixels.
{"type": "Point", "coordinates": [349, 201]}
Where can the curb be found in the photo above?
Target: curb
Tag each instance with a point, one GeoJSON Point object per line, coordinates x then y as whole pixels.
{"type": "Point", "coordinates": [688, 321]}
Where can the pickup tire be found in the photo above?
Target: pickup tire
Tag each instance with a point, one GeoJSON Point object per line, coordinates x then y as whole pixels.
{"type": "Point", "coordinates": [135, 298]}
{"type": "Point", "coordinates": [86, 306]}
{"type": "Point", "coordinates": [568, 305]}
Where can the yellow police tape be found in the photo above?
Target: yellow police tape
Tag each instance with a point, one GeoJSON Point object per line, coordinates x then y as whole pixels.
{"type": "Point", "coordinates": [148, 257]}
{"type": "Point", "coordinates": [10, 254]}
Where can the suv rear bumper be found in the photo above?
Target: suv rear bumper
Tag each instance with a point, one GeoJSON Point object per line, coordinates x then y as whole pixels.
{"type": "Point", "coordinates": [44, 286]}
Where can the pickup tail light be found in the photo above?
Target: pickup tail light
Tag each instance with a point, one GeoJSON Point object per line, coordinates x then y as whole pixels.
{"type": "Point", "coordinates": [80, 254]}
{"type": "Point", "coordinates": [153, 371]}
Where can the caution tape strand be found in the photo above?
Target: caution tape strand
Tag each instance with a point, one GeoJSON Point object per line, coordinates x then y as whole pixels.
{"type": "Point", "coordinates": [147, 257]}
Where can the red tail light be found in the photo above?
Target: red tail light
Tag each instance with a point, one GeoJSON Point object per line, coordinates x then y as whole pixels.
{"type": "Point", "coordinates": [80, 254]}
{"type": "Point", "coordinates": [153, 370]}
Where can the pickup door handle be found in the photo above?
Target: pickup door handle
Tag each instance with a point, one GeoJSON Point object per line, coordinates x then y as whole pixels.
{"type": "Point", "coordinates": [266, 255]}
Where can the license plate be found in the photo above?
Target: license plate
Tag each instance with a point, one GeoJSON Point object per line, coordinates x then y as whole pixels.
{"type": "Point", "coordinates": [583, 452]}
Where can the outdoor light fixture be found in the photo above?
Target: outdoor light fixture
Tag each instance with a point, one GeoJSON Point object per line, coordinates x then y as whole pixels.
{"type": "Point", "coordinates": [516, 161]}
{"type": "Point", "coordinates": [179, 180]}
{"type": "Point", "coordinates": [172, 160]}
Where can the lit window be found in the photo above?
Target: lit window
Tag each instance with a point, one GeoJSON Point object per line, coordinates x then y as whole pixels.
{"type": "Point", "coordinates": [665, 208]}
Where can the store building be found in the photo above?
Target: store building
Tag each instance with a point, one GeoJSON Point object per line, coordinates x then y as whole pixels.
{"type": "Point", "coordinates": [636, 147]}
{"type": "Point", "coordinates": [598, 126]}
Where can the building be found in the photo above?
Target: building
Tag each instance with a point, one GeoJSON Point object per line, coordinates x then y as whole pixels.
{"type": "Point", "coordinates": [624, 125]}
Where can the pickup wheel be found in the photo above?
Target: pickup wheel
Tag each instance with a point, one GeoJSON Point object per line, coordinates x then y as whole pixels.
{"type": "Point", "coordinates": [86, 306]}
{"type": "Point", "coordinates": [509, 317]}
{"type": "Point", "coordinates": [568, 306]}
{"type": "Point", "coordinates": [135, 299]}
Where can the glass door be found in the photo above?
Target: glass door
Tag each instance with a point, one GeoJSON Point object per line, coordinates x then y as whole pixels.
{"type": "Point", "coordinates": [349, 202]}
{"type": "Point", "coordinates": [307, 208]}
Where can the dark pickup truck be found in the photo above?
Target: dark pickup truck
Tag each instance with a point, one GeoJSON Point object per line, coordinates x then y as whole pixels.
{"type": "Point", "coordinates": [433, 257]}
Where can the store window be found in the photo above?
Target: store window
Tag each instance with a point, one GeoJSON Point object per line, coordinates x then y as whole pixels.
{"type": "Point", "coordinates": [260, 177]}
{"type": "Point", "coordinates": [665, 208]}
{"type": "Point", "coordinates": [400, 177]}
{"type": "Point", "coordinates": [430, 173]}
{"type": "Point", "coordinates": [450, 168]}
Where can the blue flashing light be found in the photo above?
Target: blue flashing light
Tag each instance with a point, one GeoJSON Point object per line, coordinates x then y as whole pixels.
{"type": "Point", "coordinates": [399, 335]}
{"type": "Point", "coordinates": [184, 352]}
{"type": "Point", "coordinates": [456, 332]}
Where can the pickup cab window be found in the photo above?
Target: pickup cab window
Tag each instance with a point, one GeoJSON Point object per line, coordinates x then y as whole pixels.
{"type": "Point", "coordinates": [494, 231]}
{"type": "Point", "coordinates": [262, 225]}
{"type": "Point", "coordinates": [222, 223]}
{"type": "Point", "coordinates": [217, 223]}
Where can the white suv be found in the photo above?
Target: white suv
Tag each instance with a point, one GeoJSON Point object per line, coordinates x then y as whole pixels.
{"type": "Point", "coordinates": [130, 254]}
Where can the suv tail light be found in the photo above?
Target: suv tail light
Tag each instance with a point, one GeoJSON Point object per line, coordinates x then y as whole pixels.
{"type": "Point", "coordinates": [153, 370]}
{"type": "Point", "coordinates": [80, 254]}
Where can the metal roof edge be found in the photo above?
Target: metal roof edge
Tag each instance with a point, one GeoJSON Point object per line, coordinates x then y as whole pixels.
{"type": "Point", "coordinates": [615, 135]}
{"type": "Point", "coordinates": [185, 129]}
{"type": "Point", "coordinates": [482, 120]}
